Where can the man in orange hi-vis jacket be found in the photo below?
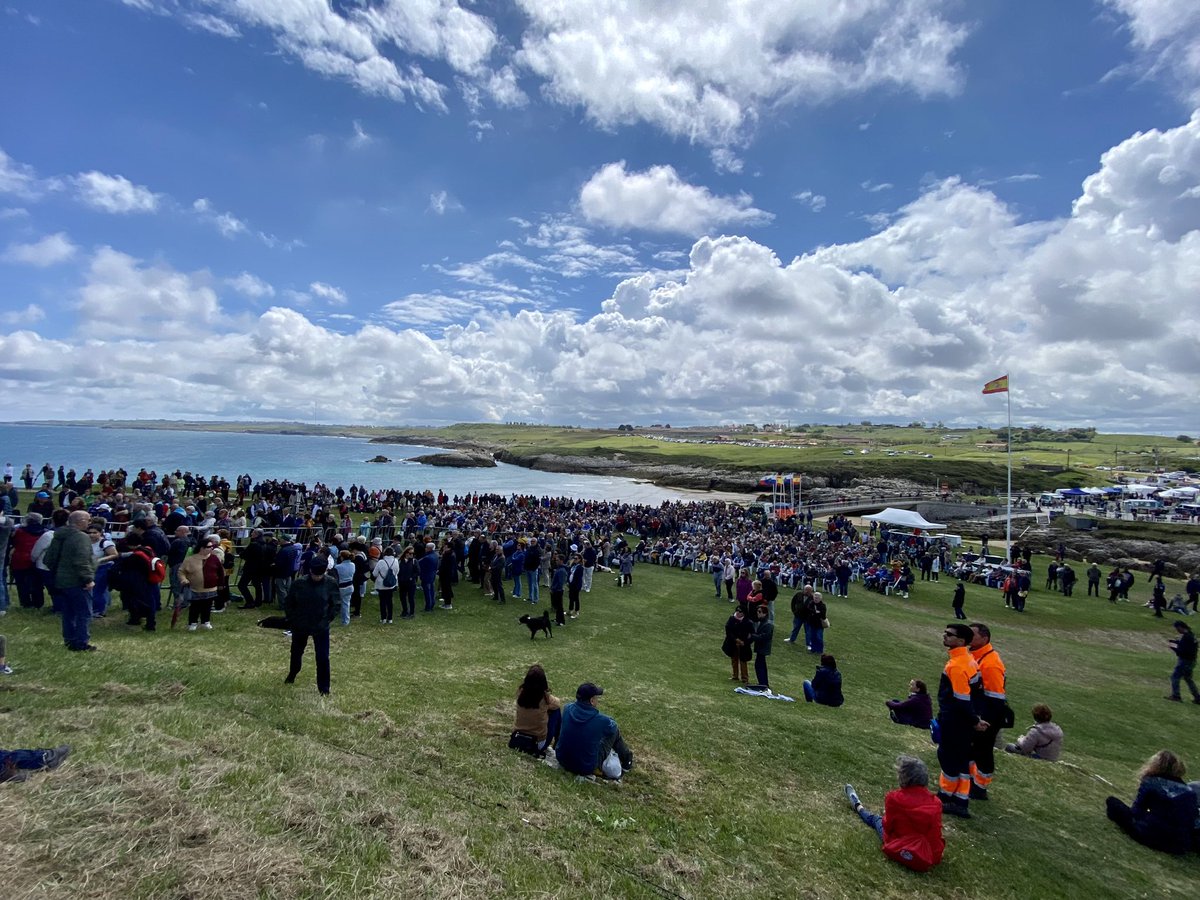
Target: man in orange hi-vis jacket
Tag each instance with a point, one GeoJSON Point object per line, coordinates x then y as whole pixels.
{"type": "Point", "coordinates": [957, 721]}
{"type": "Point", "coordinates": [990, 702]}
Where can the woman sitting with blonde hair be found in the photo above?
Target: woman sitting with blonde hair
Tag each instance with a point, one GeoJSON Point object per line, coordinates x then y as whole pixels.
{"type": "Point", "coordinates": [1163, 815]}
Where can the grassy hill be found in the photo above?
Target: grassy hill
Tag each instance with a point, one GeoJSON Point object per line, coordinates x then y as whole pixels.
{"type": "Point", "coordinates": [197, 774]}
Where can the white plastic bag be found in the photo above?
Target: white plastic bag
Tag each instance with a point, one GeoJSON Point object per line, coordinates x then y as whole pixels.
{"type": "Point", "coordinates": [611, 767]}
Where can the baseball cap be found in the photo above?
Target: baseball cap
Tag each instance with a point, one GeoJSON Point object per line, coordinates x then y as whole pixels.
{"type": "Point", "coordinates": [587, 691]}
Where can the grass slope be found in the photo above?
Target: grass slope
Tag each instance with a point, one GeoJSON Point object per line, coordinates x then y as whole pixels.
{"type": "Point", "coordinates": [198, 774]}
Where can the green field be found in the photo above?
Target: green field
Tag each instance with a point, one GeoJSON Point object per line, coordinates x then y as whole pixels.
{"type": "Point", "coordinates": [972, 461]}
{"type": "Point", "coordinates": [197, 774]}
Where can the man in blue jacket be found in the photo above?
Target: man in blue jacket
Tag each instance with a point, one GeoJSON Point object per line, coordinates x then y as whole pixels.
{"type": "Point", "coordinates": [587, 735]}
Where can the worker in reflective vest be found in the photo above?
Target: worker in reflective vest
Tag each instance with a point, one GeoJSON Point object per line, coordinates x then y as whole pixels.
{"type": "Point", "coordinates": [991, 703]}
{"type": "Point", "coordinates": [957, 720]}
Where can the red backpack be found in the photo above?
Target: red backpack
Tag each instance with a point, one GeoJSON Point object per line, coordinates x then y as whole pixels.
{"type": "Point", "coordinates": [157, 569]}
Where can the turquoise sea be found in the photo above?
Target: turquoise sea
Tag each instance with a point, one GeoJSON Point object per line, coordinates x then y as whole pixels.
{"type": "Point", "coordinates": [332, 460]}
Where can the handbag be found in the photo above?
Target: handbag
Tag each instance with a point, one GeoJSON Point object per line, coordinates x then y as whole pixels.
{"type": "Point", "coordinates": [824, 623]}
{"type": "Point", "coordinates": [525, 742]}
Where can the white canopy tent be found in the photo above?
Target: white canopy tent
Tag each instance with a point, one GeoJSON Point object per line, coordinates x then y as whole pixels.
{"type": "Point", "coordinates": [902, 518]}
{"type": "Point", "coordinates": [1181, 493]}
{"type": "Point", "coordinates": [1140, 490]}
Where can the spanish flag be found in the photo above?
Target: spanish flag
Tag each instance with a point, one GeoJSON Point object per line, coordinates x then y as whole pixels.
{"type": "Point", "coordinates": [999, 386]}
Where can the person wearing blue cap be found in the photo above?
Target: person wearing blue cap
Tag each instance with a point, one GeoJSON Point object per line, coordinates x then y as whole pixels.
{"type": "Point", "coordinates": [588, 737]}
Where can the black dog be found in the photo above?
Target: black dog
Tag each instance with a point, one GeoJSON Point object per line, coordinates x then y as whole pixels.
{"type": "Point", "coordinates": [540, 623]}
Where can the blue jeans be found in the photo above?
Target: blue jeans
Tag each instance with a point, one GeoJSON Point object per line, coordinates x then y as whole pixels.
{"type": "Point", "coordinates": [516, 591]}
{"type": "Point", "coordinates": [553, 724]}
{"type": "Point", "coordinates": [760, 669]}
{"type": "Point", "coordinates": [345, 593]}
{"type": "Point", "coordinates": [717, 584]}
{"type": "Point", "coordinates": [24, 759]}
{"type": "Point", "coordinates": [816, 638]}
{"type": "Point", "coordinates": [76, 605]}
{"type": "Point", "coordinates": [809, 696]}
{"type": "Point", "coordinates": [531, 584]}
{"type": "Point", "coordinates": [1183, 672]}
{"type": "Point", "coordinates": [797, 624]}
{"type": "Point", "coordinates": [100, 590]}
{"type": "Point", "coordinates": [872, 819]}
{"type": "Point", "coordinates": [427, 590]}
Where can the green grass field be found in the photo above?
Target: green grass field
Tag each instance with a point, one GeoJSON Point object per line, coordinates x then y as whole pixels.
{"type": "Point", "coordinates": [197, 774]}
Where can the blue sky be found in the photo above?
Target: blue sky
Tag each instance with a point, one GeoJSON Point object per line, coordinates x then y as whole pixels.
{"type": "Point", "coordinates": [432, 211]}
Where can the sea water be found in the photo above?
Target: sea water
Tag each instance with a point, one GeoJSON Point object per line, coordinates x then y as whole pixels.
{"type": "Point", "coordinates": [299, 458]}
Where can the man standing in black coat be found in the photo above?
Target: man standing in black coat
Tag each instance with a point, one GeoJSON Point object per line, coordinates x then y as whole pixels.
{"type": "Point", "coordinates": [312, 602]}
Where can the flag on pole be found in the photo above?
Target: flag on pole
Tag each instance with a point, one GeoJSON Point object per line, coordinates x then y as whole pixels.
{"type": "Point", "coordinates": [999, 386]}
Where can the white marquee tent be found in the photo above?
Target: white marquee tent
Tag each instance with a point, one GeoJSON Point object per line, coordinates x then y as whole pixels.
{"type": "Point", "coordinates": [902, 518]}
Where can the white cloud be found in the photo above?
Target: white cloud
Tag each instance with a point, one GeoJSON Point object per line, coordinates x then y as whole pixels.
{"type": "Point", "coordinates": [49, 251]}
{"type": "Point", "coordinates": [707, 72]}
{"type": "Point", "coordinates": [124, 298]}
{"type": "Point", "coordinates": [725, 160]}
{"type": "Point", "coordinates": [21, 180]}
{"type": "Point", "coordinates": [360, 137]}
{"type": "Point", "coordinates": [440, 202]}
{"type": "Point", "coordinates": [1167, 35]}
{"type": "Point", "coordinates": [1093, 315]}
{"type": "Point", "coordinates": [22, 318]}
{"type": "Point", "coordinates": [815, 202]}
{"type": "Point", "coordinates": [359, 42]}
{"type": "Point", "coordinates": [114, 193]}
{"type": "Point", "coordinates": [252, 286]}
{"type": "Point", "coordinates": [335, 296]}
{"type": "Point", "coordinates": [872, 188]}
{"type": "Point", "coordinates": [212, 24]}
{"type": "Point", "coordinates": [659, 200]}
{"type": "Point", "coordinates": [227, 224]}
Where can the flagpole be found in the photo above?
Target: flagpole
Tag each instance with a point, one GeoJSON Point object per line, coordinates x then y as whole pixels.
{"type": "Point", "coordinates": [1008, 521]}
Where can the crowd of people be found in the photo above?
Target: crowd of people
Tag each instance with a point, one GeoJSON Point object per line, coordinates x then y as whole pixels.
{"type": "Point", "coordinates": [178, 541]}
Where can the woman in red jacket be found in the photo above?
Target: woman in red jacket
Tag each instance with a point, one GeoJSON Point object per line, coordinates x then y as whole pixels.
{"type": "Point", "coordinates": [911, 825]}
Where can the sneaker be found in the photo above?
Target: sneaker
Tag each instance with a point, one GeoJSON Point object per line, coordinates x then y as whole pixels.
{"type": "Point", "coordinates": [287, 634]}
{"type": "Point", "coordinates": [788, 641]}
{"type": "Point", "coordinates": [54, 758]}
{"type": "Point", "coordinates": [192, 627]}
{"type": "Point", "coordinates": [589, 779]}
{"type": "Point", "coordinates": [6, 670]}
{"type": "Point", "coordinates": [852, 796]}
{"type": "Point", "coordinates": [207, 626]}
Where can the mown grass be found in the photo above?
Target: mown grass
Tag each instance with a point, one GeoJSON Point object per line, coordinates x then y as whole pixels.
{"type": "Point", "coordinates": [198, 774]}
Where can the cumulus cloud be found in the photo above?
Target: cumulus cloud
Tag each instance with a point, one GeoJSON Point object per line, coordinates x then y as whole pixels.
{"type": "Point", "coordinates": [114, 193]}
{"type": "Point", "coordinates": [725, 160]}
{"type": "Point", "coordinates": [125, 298]}
{"type": "Point", "coordinates": [708, 75]}
{"type": "Point", "coordinates": [49, 251]}
{"type": "Point", "coordinates": [1093, 315]}
{"type": "Point", "coordinates": [659, 200]}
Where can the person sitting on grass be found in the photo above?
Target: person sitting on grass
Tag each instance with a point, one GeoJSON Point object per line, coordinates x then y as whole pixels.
{"type": "Point", "coordinates": [587, 737]}
{"type": "Point", "coordinates": [1043, 740]}
{"type": "Point", "coordinates": [12, 761]}
{"type": "Point", "coordinates": [911, 826]}
{"type": "Point", "coordinates": [1163, 815]}
{"type": "Point", "coordinates": [916, 710]}
{"type": "Point", "coordinates": [539, 712]}
{"type": "Point", "coordinates": [826, 685]}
